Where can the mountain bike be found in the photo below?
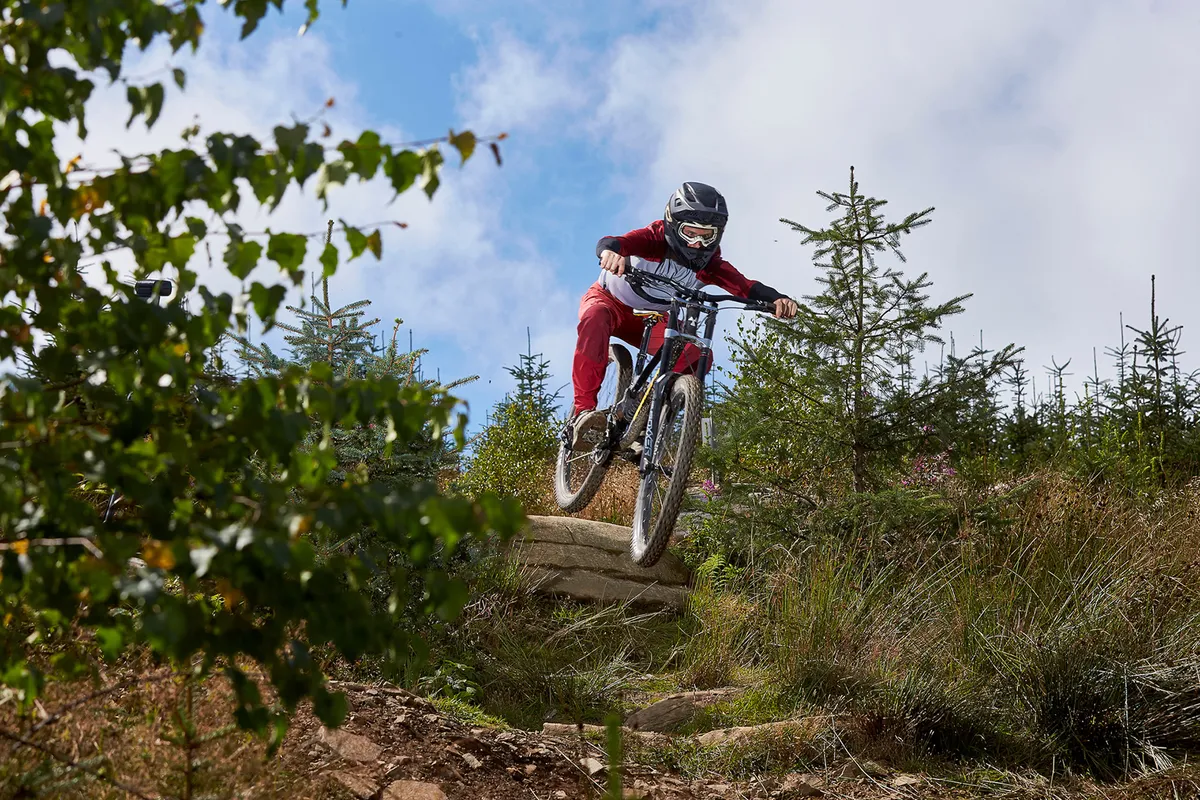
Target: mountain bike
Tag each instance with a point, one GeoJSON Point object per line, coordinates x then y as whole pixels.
{"type": "Point", "coordinates": [653, 419]}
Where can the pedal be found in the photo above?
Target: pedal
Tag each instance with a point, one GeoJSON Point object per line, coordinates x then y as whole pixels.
{"type": "Point", "coordinates": [633, 453]}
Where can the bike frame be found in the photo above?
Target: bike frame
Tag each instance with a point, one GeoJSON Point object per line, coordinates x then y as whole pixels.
{"type": "Point", "coordinates": [684, 318]}
{"type": "Point", "coordinates": [691, 316]}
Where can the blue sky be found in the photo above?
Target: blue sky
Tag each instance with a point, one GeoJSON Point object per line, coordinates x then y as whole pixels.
{"type": "Point", "coordinates": [1056, 141]}
{"type": "Point", "coordinates": [411, 65]}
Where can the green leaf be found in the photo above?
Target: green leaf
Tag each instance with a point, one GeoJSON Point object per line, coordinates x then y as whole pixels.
{"type": "Point", "coordinates": [251, 11]}
{"type": "Point", "coordinates": [287, 250]}
{"type": "Point", "coordinates": [365, 155]}
{"type": "Point", "coordinates": [402, 169]}
{"type": "Point", "coordinates": [321, 371]}
{"type": "Point", "coordinates": [180, 77]}
{"type": "Point", "coordinates": [242, 256]}
{"type": "Point", "coordinates": [180, 249]}
{"type": "Point", "coordinates": [279, 721]}
{"type": "Point", "coordinates": [313, 13]}
{"type": "Point", "coordinates": [146, 100]}
{"type": "Point", "coordinates": [290, 140]}
{"type": "Point", "coordinates": [432, 160]}
{"type": "Point", "coordinates": [266, 299]}
{"type": "Point", "coordinates": [68, 666]}
{"type": "Point", "coordinates": [375, 244]}
{"type": "Point", "coordinates": [310, 158]}
{"type": "Point", "coordinates": [137, 102]}
{"type": "Point", "coordinates": [329, 260]}
{"type": "Point", "coordinates": [112, 642]}
{"type": "Point", "coordinates": [332, 174]}
{"type": "Point", "coordinates": [330, 707]}
{"type": "Point", "coordinates": [356, 239]}
{"type": "Point", "coordinates": [453, 600]}
{"type": "Point", "coordinates": [464, 142]}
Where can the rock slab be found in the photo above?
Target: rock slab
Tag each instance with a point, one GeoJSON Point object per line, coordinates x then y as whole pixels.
{"type": "Point", "coordinates": [587, 560]}
{"type": "Point", "coordinates": [360, 786]}
{"type": "Point", "coordinates": [796, 785]}
{"type": "Point", "coordinates": [413, 790]}
{"type": "Point", "coordinates": [800, 727]}
{"type": "Point", "coordinates": [350, 746]}
{"type": "Point", "coordinates": [674, 710]}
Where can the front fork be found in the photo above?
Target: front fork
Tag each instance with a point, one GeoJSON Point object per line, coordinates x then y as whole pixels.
{"type": "Point", "coordinates": [671, 351]}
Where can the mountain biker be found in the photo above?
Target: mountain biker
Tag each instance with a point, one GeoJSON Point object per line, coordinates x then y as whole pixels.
{"type": "Point", "coordinates": [685, 246]}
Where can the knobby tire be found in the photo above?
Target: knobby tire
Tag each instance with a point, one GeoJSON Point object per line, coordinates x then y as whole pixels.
{"type": "Point", "coordinates": [568, 460]}
{"type": "Point", "coordinates": [651, 532]}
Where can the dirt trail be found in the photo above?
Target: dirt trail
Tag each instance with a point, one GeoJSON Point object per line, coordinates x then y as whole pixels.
{"type": "Point", "coordinates": [396, 746]}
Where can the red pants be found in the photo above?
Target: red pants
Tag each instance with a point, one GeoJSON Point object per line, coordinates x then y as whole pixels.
{"type": "Point", "coordinates": [601, 316]}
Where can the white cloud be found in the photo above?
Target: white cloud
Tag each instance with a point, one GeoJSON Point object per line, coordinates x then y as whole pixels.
{"type": "Point", "coordinates": [1057, 142]}
{"type": "Point", "coordinates": [515, 84]}
{"type": "Point", "coordinates": [454, 275]}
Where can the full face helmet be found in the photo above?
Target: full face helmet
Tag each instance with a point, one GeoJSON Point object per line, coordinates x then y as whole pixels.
{"type": "Point", "coordinates": [695, 220]}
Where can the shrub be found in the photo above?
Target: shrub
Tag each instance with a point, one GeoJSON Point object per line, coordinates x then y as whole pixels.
{"type": "Point", "coordinates": [513, 456]}
{"type": "Point", "coordinates": [225, 504]}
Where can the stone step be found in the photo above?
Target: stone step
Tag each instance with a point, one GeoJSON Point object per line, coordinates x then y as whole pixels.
{"type": "Point", "coordinates": [589, 561]}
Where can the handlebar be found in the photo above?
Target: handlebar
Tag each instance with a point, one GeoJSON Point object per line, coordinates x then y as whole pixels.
{"type": "Point", "coordinates": [636, 276]}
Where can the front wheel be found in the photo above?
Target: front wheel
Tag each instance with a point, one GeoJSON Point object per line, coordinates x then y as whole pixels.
{"type": "Point", "coordinates": [662, 487]}
{"type": "Point", "coordinates": [579, 473]}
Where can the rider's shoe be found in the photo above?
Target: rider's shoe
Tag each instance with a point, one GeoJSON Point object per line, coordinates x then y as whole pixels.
{"type": "Point", "coordinates": [587, 429]}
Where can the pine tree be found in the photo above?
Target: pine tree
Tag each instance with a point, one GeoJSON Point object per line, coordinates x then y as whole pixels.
{"type": "Point", "coordinates": [341, 338]}
{"type": "Point", "coordinates": [338, 337]}
{"type": "Point", "coordinates": [844, 365]}
{"type": "Point", "coordinates": [513, 454]}
{"type": "Point", "coordinates": [1058, 417]}
{"type": "Point", "coordinates": [1158, 390]}
{"type": "Point", "coordinates": [532, 373]}
{"type": "Point", "coordinates": [1023, 432]}
{"type": "Point", "coordinates": [967, 414]}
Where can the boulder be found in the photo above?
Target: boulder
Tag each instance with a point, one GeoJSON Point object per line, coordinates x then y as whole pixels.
{"type": "Point", "coordinates": [413, 790]}
{"type": "Point", "coordinates": [801, 726]}
{"type": "Point", "coordinates": [855, 769]}
{"type": "Point", "coordinates": [796, 785]}
{"type": "Point", "coordinates": [350, 746]}
{"type": "Point", "coordinates": [567, 730]}
{"type": "Point", "coordinates": [360, 786]}
{"type": "Point", "coordinates": [588, 560]}
{"type": "Point", "coordinates": [674, 710]}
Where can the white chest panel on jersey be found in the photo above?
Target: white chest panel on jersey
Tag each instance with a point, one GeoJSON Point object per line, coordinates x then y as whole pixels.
{"type": "Point", "coordinates": [621, 289]}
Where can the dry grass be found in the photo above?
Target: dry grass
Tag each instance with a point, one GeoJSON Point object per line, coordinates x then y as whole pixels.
{"type": "Point", "coordinates": [1064, 631]}
{"type": "Point", "coordinates": [614, 501]}
{"type": "Point", "coordinates": [1049, 649]}
{"type": "Point", "coordinates": [120, 737]}
{"type": "Point", "coordinates": [617, 498]}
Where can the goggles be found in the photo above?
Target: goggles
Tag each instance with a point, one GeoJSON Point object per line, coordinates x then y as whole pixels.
{"type": "Point", "coordinates": [692, 233]}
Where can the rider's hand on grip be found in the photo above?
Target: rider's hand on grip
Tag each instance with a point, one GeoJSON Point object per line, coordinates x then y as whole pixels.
{"type": "Point", "coordinates": [784, 308]}
{"type": "Point", "coordinates": [612, 262]}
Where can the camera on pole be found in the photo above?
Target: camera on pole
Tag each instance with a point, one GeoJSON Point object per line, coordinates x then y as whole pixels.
{"type": "Point", "coordinates": [160, 287]}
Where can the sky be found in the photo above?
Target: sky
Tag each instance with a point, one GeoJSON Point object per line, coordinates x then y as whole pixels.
{"type": "Point", "coordinates": [1055, 141]}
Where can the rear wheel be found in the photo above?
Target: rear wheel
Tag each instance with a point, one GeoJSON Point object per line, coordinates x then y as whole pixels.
{"type": "Point", "coordinates": [579, 473]}
{"type": "Point", "coordinates": [662, 488]}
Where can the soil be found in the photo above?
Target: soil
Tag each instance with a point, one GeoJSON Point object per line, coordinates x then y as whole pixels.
{"type": "Point", "coordinates": [479, 763]}
{"type": "Point", "coordinates": [395, 745]}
